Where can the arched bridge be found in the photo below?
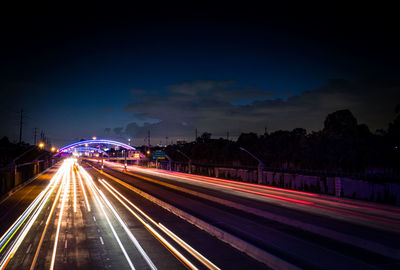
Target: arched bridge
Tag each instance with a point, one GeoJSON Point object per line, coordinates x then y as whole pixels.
{"type": "Point", "coordinates": [86, 149]}
{"type": "Point", "coordinates": [86, 143]}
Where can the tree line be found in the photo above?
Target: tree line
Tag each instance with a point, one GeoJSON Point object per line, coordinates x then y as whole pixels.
{"type": "Point", "coordinates": [342, 146]}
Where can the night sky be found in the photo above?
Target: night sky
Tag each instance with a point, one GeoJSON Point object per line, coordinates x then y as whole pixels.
{"type": "Point", "coordinates": [118, 72]}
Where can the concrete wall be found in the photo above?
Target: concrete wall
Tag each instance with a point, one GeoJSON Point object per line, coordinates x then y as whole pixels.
{"type": "Point", "coordinates": [337, 186]}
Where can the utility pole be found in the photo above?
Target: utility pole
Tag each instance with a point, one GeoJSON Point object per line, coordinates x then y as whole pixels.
{"type": "Point", "coordinates": [20, 128]}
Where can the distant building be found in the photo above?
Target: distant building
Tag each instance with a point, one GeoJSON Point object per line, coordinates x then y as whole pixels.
{"type": "Point", "coordinates": [180, 141]}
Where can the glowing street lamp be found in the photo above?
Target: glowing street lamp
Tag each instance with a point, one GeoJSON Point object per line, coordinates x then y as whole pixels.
{"type": "Point", "coordinates": [94, 138]}
{"type": "Point", "coordinates": [53, 149]}
{"type": "Point", "coordinates": [41, 145]}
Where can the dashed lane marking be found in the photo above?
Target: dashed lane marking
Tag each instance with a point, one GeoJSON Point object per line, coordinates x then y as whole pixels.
{"type": "Point", "coordinates": [29, 248]}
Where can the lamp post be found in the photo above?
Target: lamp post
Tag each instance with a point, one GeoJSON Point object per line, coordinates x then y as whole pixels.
{"type": "Point", "coordinates": [260, 167]}
{"type": "Point", "coordinates": [190, 161]}
{"type": "Point", "coordinates": [169, 162]}
{"type": "Point", "coordinates": [125, 162]}
{"type": "Point", "coordinates": [41, 145]}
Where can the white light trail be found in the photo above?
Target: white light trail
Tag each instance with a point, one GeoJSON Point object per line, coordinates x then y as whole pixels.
{"type": "Point", "coordinates": [84, 192]}
{"type": "Point", "coordinates": [93, 188]}
{"type": "Point", "coordinates": [133, 239]}
{"type": "Point", "coordinates": [74, 183]}
{"type": "Point", "coordinates": [65, 189]}
{"type": "Point", "coordinates": [178, 240]}
{"type": "Point", "coordinates": [35, 207]}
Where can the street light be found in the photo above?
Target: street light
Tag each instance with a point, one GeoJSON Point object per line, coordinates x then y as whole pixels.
{"type": "Point", "coordinates": [41, 145]}
{"type": "Point", "coordinates": [260, 167]}
{"type": "Point", "coordinates": [94, 138]}
{"type": "Point", "coordinates": [53, 149]}
{"type": "Point", "coordinates": [189, 159]}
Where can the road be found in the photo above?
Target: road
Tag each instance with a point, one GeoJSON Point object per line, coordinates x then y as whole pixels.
{"type": "Point", "coordinates": [70, 219]}
{"type": "Point", "coordinates": [77, 216]}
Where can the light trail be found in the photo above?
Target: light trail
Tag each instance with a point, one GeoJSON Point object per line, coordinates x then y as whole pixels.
{"type": "Point", "coordinates": [122, 223]}
{"type": "Point", "coordinates": [316, 202]}
{"type": "Point", "coordinates": [84, 192]}
{"type": "Point", "coordinates": [45, 229]}
{"type": "Point", "coordinates": [154, 232]}
{"type": "Point", "coordinates": [182, 243]}
{"type": "Point", "coordinates": [133, 238]}
{"type": "Point", "coordinates": [65, 189]}
{"type": "Point", "coordinates": [22, 217]}
{"type": "Point", "coordinates": [89, 182]}
{"type": "Point", "coordinates": [40, 202]}
{"type": "Point", "coordinates": [74, 183]}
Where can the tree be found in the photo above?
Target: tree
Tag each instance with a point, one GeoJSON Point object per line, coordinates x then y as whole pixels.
{"type": "Point", "coordinates": [247, 139]}
{"type": "Point", "coordinates": [340, 122]}
{"type": "Point", "coordinates": [206, 136]}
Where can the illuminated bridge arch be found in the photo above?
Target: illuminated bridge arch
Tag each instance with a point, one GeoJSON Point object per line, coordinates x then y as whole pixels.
{"type": "Point", "coordinates": [86, 143]}
{"type": "Point", "coordinates": [86, 149]}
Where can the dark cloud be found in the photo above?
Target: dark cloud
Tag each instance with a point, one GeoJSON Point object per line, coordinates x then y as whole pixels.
{"type": "Point", "coordinates": [210, 105]}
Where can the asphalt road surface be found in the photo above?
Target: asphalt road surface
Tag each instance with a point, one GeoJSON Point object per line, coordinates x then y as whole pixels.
{"type": "Point", "coordinates": [77, 216]}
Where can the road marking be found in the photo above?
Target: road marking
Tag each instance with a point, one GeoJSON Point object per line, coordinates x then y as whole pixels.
{"type": "Point", "coordinates": [101, 240]}
{"type": "Point", "coordinates": [66, 244]}
{"type": "Point", "coordinates": [29, 248]}
{"type": "Point", "coordinates": [94, 218]}
{"type": "Point", "coordinates": [65, 185]}
{"type": "Point", "coordinates": [174, 251]}
{"type": "Point", "coordinates": [94, 191]}
{"type": "Point", "coordinates": [41, 223]}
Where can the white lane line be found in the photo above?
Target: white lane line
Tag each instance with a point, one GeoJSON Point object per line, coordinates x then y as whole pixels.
{"type": "Point", "coordinates": [66, 244]}
{"type": "Point", "coordinates": [94, 189]}
{"type": "Point", "coordinates": [94, 218]}
{"type": "Point", "coordinates": [29, 248]}
{"type": "Point", "coordinates": [101, 240]}
{"type": "Point", "coordinates": [41, 222]}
